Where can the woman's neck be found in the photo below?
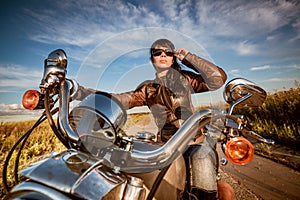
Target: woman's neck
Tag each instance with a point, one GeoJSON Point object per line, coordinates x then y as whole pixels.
{"type": "Point", "coordinates": [161, 73]}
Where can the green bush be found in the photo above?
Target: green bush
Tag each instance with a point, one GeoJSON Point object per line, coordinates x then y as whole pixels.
{"type": "Point", "coordinates": [278, 118]}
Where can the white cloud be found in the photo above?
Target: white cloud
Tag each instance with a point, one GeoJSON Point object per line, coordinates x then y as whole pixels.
{"type": "Point", "coordinates": [18, 76]}
{"type": "Point", "coordinates": [265, 67]}
{"type": "Point", "coordinates": [16, 112]}
{"type": "Point", "coordinates": [18, 71]}
{"type": "Point", "coordinates": [280, 80]}
{"type": "Point", "coordinates": [296, 66]}
{"type": "Point", "coordinates": [85, 24]}
{"type": "Point", "coordinates": [245, 48]}
{"type": "Point", "coordinates": [234, 72]}
{"type": "Point", "coordinates": [10, 106]}
{"type": "Point", "coordinates": [244, 18]}
{"type": "Point", "coordinates": [296, 26]}
{"type": "Point", "coordinates": [88, 23]}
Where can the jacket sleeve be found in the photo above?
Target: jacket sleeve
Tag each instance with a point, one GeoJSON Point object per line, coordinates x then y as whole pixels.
{"type": "Point", "coordinates": [213, 76]}
{"type": "Point", "coordinates": [83, 92]}
{"type": "Point", "coordinates": [127, 99]}
{"type": "Point", "coordinates": [133, 98]}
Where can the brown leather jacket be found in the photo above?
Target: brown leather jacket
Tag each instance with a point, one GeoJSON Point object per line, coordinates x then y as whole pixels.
{"type": "Point", "coordinates": [169, 97]}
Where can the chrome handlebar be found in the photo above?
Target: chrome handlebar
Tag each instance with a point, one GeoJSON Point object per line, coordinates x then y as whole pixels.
{"type": "Point", "coordinates": [140, 161]}
{"type": "Point", "coordinates": [65, 89]}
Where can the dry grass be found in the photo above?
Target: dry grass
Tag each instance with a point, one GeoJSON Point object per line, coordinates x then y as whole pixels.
{"type": "Point", "coordinates": [42, 141]}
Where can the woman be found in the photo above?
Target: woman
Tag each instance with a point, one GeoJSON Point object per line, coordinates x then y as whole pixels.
{"type": "Point", "coordinates": [168, 97]}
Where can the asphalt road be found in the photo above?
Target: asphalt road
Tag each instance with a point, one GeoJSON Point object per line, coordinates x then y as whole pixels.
{"type": "Point", "coordinates": [265, 178]}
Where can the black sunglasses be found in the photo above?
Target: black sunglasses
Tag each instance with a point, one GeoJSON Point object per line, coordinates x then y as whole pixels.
{"type": "Point", "coordinates": [158, 52]}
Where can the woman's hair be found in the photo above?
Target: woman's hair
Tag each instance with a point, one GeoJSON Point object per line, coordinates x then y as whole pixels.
{"type": "Point", "coordinates": [168, 45]}
{"type": "Point", "coordinates": [164, 43]}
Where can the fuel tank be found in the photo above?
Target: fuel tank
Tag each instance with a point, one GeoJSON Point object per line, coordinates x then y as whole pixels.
{"type": "Point", "coordinates": [173, 183]}
{"type": "Point", "coordinates": [71, 173]}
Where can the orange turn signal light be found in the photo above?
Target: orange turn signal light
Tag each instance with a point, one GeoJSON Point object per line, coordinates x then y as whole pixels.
{"type": "Point", "coordinates": [31, 99]}
{"type": "Point", "coordinates": [239, 150]}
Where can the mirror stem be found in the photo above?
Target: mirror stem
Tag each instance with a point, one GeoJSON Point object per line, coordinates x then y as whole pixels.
{"type": "Point", "coordinates": [238, 102]}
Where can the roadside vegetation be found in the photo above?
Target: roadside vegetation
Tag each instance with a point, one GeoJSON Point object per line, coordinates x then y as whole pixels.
{"type": "Point", "coordinates": [277, 119]}
{"type": "Point", "coordinates": [42, 141]}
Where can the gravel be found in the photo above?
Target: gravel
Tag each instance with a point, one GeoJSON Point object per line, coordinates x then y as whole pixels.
{"type": "Point", "coordinates": [241, 192]}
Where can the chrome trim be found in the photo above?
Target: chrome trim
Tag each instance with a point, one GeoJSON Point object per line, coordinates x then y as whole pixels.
{"type": "Point", "coordinates": [64, 111]}
{"type": "Point", "coordinates": [242, 92]}
{"type": "Point", "coordinates": [177, 144]}
{"type": "Point", "coordinates": [134, 189]}
{"type": "Point", "coordinates": [258, 137]}
{"type": "Point", "coordinates": [27, 187]}
{"type": "Point", "coordinates": [150, 160]}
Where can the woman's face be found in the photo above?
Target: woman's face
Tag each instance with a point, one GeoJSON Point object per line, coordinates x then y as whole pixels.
{"type": "Point", "coordinates": [162, 58]}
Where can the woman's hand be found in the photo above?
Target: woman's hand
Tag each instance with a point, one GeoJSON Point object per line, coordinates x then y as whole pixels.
{"type": "Point", "coordinates": [180, 53]}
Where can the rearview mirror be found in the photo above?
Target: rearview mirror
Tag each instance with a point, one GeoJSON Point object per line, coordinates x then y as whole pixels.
{"type": "Point", "coordinates": [242, 92]}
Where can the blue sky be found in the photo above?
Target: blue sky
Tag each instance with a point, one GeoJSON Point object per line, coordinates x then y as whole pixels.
{"type": "Point", "coordinates": [107, 41]}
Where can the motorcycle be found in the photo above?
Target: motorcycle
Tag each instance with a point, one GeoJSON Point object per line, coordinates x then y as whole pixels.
{"type": "Point", "coordinates": [102, 161]}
